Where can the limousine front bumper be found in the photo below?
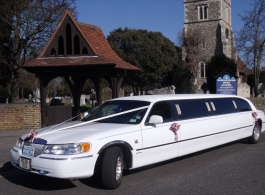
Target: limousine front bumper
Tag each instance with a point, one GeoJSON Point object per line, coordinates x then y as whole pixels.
{"type": "Point", "coordinates": [63, 166]}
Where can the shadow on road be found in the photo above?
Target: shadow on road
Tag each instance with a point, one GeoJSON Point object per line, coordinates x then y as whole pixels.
{"type": "Point", "coordinates": [33, 181]}
{"type": "Point", "coordinates": [95, 181]}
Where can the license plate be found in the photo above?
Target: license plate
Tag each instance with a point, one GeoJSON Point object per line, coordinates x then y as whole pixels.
{"type": "Point", "coordinates": [28, 151]}
{"type": "Point", "coordinates": [25, 163]}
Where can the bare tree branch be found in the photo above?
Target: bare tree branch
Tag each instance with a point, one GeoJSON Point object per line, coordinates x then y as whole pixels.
{"type": "Point", "coordinates": [251, 39]}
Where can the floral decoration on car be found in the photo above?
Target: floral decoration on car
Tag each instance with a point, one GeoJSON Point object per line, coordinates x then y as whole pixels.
{"type": "Point", "coordinates": [255, 115]}
{"type": "Point", "coordinates": [175, 127]}
{"type": "Point", "coordinates": [32, 135]}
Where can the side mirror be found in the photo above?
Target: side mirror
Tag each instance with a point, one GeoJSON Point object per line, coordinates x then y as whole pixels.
{"type": "Point", "coordinates": [155, 119]}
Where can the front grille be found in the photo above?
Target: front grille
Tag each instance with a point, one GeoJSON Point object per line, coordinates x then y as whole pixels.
{"type": "Point", "coordinates": [38, 148]}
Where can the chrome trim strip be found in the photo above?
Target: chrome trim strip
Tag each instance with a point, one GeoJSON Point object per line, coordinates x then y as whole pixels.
{"type": "Point", "coordinates": [75, 158]}
{"type": "Point", "coordinates": [53, 158]}
{"type": "Point", "coordinates": [141, 149]}
{"type": "Point", "coordinates": [81, 157]}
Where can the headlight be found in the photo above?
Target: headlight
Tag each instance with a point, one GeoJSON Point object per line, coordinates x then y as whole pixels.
{"type": "Point", "coordinates": [67, 149]}
{"type": "Point", "coordinates": [19, 143]}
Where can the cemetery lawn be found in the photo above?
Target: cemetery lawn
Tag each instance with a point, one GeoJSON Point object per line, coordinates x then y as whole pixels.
{"type": "Point", "coordinates": [85, 108]}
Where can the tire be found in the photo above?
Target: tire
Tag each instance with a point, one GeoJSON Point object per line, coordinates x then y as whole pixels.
{"type": "Point", "coordinates": [255, 137]}
{"type": "Point", "coordinates": [112, 168]}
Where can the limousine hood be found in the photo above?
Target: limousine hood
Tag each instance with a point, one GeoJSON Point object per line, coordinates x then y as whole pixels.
{"type": "Point", "coordinates": [67, 133]}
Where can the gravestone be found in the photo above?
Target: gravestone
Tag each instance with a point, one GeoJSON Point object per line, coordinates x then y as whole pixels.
{"type": "Point", "coordinates": [106, 94]}
{"type": "Point", "coordinates": [261, 88]}
{"type": "Point", "coordinates": [82, 100]}
{"type": "Point", "coordinates": [36, 93]}
{"type": "Point", "coordinates": [199, 91]}
{"type": "Point", "coordinates": [243, 90]}
{"type": "Point", "coordinates": [121, 94]}
{"type": "Point", "coordinates": [161, 91]}
{"type": "Point", "coordinates": [67, 100]}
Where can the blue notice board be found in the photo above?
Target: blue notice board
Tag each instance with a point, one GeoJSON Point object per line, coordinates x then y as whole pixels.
{"type": "Point", "coordinates": [226, 85]}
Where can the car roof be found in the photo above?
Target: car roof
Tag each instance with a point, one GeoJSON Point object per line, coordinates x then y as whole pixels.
{"type": "Point", "coordinates": [154, 98]}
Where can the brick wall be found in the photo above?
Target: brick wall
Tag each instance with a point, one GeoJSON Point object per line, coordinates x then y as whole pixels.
{"type": "Point", "coordinates": [20, 116]}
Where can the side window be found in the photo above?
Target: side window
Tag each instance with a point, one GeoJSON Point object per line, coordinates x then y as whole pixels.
{"type": "Point", "coordinates": [162, 109]}
{"type": "Point", "coordinates": [223, 106]}
{"type": "Point", "coordinates": [190, 109]}
{"type": "Point", "coordinates": [242, 105]}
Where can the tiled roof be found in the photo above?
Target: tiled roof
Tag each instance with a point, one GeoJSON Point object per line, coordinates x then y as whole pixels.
{"type": "Point", "coordinates": [98, 43]}
{"type": "Point", "coordinates": [242, 68]}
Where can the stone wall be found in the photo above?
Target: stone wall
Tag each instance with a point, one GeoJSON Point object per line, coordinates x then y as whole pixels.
{"type": "Point", "coordinates": [20, 116]}
{"type": "Point", "coordinates": [212, 29]}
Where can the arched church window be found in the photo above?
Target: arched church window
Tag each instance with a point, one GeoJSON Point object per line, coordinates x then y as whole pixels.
{"type": "Point", "coordinates": [202, 69]}
{"type": "Point", "coordinates": [84, 50]}
{"type": "Point", "coordinates": [226, 33]}
{"type": "Point", "coordinates": [76, 45]}
{"type": "Point", "coordinates": [53, 52]}
{"type": "Point", "coordinates": [68, 40]}
{"type": "Point", "coordinates": [60, 46]}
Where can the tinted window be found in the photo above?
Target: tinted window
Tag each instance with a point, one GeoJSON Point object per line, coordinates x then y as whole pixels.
{"type": "Point", "coordinates": [189, 109]}
{"type": "Point", "coordinates": [223, 106]}
{"type": "Point", "coordinates": [242, 105]}
{"type": "Point", "coordinates": [162, 109]}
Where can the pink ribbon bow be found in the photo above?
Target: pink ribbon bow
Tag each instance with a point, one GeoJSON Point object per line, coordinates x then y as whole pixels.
{"type": "Point", "coordinates": [255, 115]}
{"type": "Point", "coordinates": [175, 127]}
{"type": "Point", "coordinates": [32, 135]}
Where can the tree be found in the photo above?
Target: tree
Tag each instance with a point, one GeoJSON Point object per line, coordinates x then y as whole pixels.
{"type": "Point", "coordinates": [251, 39]}
{"type": "Point", "coordinates": [29, 25]}
{"type": "Point", "coordinates": [27, 83]}
{"type": "Point", "coordinates": [5, 71]}
{"type": "Point", "coordinates": [190, 42]}
{"type": "Point", "coordinates": [153, 53]}
{"type": "Point", "coordinates": [217, 64]}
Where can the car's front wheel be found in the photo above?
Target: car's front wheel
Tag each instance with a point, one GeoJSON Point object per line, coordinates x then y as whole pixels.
{"type": "Point", "coordinates": [255, 137]}
{"type": "Point", "coordinates": [112, 167]}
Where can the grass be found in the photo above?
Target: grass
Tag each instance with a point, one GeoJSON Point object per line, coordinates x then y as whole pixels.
{"type": "Point", "coordinates": [85, 108]}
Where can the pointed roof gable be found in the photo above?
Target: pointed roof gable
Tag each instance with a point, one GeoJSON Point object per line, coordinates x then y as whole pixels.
{"type": "Point", "coordinates": [99, 51]}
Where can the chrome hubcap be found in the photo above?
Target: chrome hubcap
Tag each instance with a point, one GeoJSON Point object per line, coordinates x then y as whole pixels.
{"type": "Point", "coordinates": [256, 133]}
{"type": "Point", "coordinates": [119, 168]}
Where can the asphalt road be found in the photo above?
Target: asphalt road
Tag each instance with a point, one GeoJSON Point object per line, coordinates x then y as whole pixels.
{"type": "Point", "coordinates": [235, 168]}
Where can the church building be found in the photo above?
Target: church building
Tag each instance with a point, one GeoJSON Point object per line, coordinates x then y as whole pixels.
{"type": "Point", "coordinates": [213, 19]}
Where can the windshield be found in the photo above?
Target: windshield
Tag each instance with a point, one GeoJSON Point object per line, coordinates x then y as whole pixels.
{"type": "Point", "coordinates": [118, 106]}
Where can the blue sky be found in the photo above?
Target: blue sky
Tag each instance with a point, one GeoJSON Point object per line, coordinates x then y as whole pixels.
{"type": "Point", "coordinates": [165, 16]}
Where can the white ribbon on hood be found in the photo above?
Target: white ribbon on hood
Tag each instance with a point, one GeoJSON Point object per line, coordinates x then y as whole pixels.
{"type": "Point", "coordinates": [84, 123]}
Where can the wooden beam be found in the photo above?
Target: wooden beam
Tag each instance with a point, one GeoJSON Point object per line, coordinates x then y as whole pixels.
{"type": "Point", "coordinates": [43, 86]}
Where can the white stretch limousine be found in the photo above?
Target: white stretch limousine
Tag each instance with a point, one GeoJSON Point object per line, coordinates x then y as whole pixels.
{"type": "Point", "coordinates": [131, 132]}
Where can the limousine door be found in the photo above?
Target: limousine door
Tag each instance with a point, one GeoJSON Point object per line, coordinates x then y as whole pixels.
{"type": "Point", "coordinates": [159, 142]}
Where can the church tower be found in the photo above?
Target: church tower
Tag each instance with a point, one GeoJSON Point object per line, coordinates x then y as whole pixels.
{"type": "Point", "coordinates": [212, 20]}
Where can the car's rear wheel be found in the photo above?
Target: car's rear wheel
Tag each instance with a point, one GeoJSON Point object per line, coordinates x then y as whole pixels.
{"type": "Point", "coordinates": [255, 137]}
{"type": "Point", "coordinates": [112, 167]}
